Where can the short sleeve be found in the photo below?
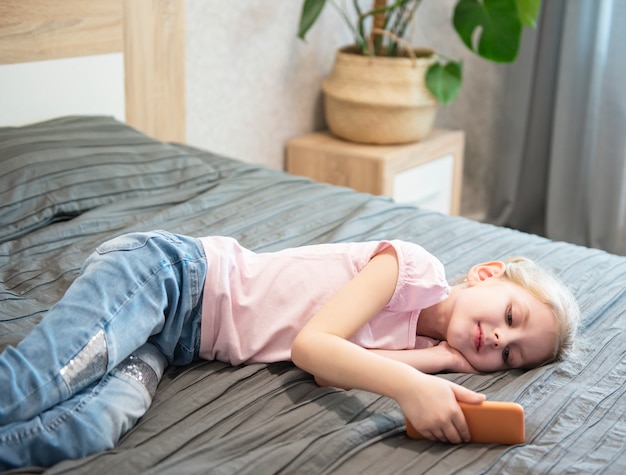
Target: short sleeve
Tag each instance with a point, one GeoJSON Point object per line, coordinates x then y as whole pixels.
{"type": "Point", "coordinates": [421, 278]}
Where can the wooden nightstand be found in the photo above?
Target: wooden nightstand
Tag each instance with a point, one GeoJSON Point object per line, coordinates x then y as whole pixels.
{"type": "Point", "coordinates": [428, 174]}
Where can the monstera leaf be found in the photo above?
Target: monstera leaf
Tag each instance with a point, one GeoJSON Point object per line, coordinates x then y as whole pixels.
{"type": "Point", "coordinates": [444, 80]}
{"type": "Point", "coordinates": [493, 28]}
{"type": "Point", "coordinates": [311, 10]}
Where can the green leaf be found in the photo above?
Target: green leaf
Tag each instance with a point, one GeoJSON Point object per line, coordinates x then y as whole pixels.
{"type": "Point", "coordinates": [311, 10]}
{"type": "Point", "coordinates": [496, 24]}
{"type": "Point", "coordinates": [528, 11]}
{"type": "Point", "coordinates": [444, 81]}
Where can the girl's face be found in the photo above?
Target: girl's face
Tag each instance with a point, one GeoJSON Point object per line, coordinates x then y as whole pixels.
{"type": "Point", "coordinates": [498, 325]}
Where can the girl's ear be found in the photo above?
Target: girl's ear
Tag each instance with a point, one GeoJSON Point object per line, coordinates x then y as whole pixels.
{"type": "Point", "coordinates": [484, 271]}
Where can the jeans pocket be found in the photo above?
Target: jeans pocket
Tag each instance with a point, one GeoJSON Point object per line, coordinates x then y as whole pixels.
{"type": "Point", "coordinates": [131, 241]}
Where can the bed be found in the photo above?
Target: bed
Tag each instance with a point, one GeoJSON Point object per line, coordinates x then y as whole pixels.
{"type": "Point", "coordinates": [69, 183]}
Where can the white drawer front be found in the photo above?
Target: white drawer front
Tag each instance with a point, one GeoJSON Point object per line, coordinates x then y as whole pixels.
{"type": "Point", "coordinates": [428, 185]}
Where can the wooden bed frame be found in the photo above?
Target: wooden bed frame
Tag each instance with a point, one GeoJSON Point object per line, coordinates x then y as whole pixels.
{"type": "Point", "coordinates": [150, 34]}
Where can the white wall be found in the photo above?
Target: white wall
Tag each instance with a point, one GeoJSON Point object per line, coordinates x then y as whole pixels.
{"type": "Point", "coordinates": [251, 84]}
{"type": "Point", "coordinates": [42, 90]}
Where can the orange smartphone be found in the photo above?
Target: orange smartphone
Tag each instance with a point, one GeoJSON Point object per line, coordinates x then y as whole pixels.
{"type": "Point", "coordinates": [491, 422]}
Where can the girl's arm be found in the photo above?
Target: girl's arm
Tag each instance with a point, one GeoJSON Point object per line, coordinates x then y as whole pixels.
{"type": "Point", "coordinates": [436, 359]}
{"type": "Point", "coordinates": [322, 348]}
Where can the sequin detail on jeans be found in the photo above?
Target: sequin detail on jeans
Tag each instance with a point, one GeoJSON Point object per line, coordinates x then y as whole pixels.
{"type": "Point", "coordinates": [141, 371]}
{"type": "Point", "coordinates": [88, 365]}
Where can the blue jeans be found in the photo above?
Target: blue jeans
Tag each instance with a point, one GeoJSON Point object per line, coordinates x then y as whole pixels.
{"type": "Point", "coordinates": [65, 384]}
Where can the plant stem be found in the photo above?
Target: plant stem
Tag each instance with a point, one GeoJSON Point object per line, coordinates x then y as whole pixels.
{"type": "Point", "coordinates": [380, 8]}
{"type": "Point", "coordinates": [359, 39]}
{"type": "Point", "coordinates": [379, 23]}
{"type": "Point", "coordinates": [357, 8]}
{"type": "Point", "coordinates": [403, 22]}
{"type": "Point", "coordinates": [397, 17]}
{"type": "Point", "coordinates": [409, 17]}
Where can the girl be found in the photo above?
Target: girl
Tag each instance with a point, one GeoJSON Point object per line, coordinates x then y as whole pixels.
{"type": "Point", "coordinates": [350, 314]}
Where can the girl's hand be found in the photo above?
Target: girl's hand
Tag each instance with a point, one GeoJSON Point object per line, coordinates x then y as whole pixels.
{"type": "Point", "coordinates": [433, 409]}
{"type": "Point", "coordinates": [458, 363]}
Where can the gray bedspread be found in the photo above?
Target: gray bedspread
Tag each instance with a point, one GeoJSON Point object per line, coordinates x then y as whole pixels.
{"type": "Point", "coordinates": [69, 184]}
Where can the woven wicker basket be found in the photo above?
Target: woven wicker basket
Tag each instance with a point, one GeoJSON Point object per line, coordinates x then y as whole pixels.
{"type": "Point", "coordinates": [379, 100]}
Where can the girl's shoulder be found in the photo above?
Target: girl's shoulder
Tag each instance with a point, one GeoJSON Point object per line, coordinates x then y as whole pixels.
{"type": "Point", "coordinates": [421, 277]}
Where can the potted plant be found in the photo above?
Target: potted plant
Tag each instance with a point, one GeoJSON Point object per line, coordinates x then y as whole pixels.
{"type": "Point", "coordinates": [382, 90]}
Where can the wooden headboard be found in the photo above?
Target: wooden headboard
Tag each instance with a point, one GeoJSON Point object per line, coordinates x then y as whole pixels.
{"type": "Point", "coordinates": [150, 33]}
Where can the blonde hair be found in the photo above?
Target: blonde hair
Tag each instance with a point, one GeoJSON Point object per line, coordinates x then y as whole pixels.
{"type": "Point", "coordinates": [551, 291]}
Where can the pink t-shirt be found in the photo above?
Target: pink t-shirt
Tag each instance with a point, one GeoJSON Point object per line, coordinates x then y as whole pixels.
{"type": "Point", "coordinates": [254, 304]}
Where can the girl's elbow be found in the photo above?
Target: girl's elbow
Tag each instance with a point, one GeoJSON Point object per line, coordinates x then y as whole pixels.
{"type": "Point", "coordinates": [300, 351]}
